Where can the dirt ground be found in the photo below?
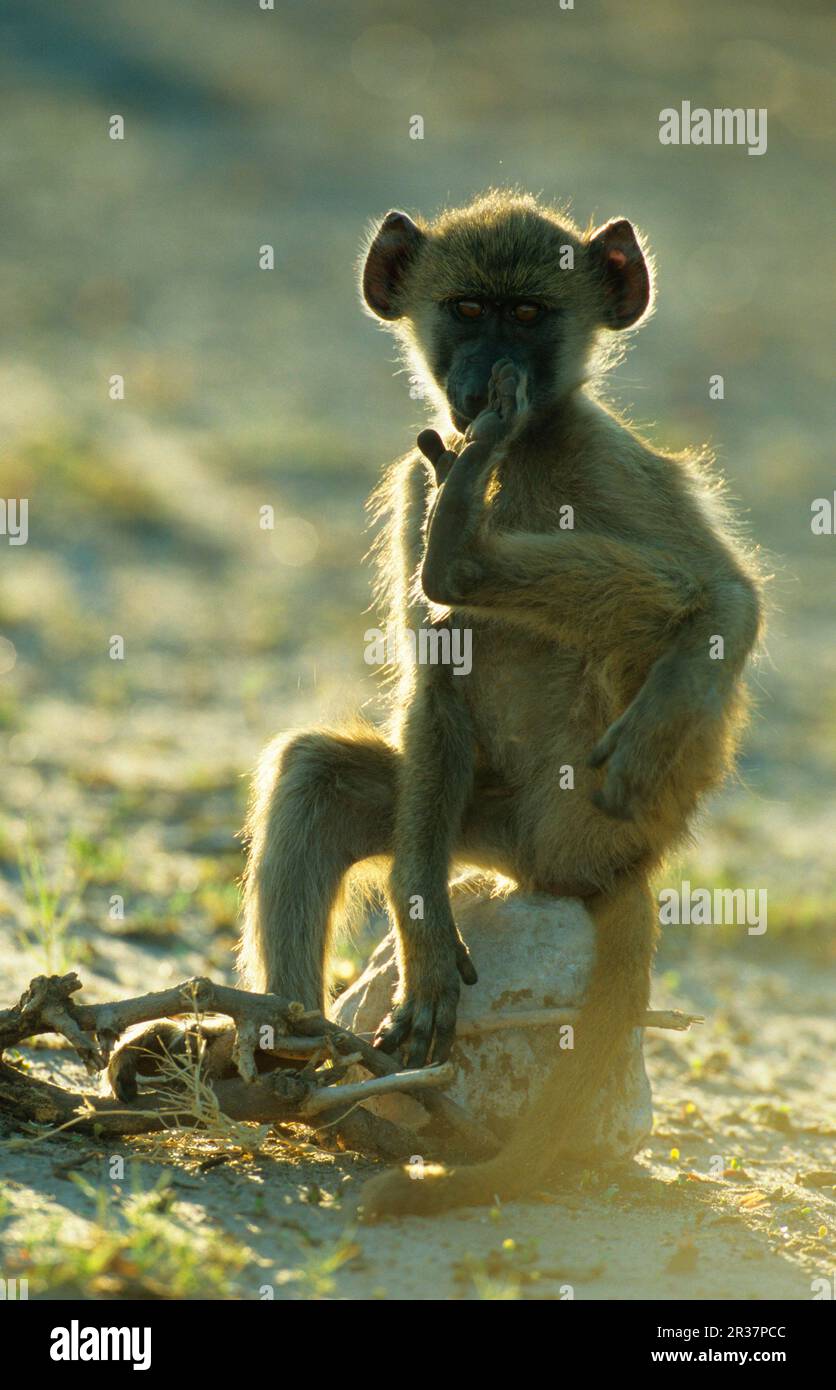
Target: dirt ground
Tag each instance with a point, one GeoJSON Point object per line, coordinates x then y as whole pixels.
{"type": "Point", "coordinates": [725, 1202]}
{"type": "Point", "coordinates": [124, 781]}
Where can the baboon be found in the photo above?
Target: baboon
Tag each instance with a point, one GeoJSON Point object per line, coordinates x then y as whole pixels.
{"type": "Point", "coordinates": [612, 607]}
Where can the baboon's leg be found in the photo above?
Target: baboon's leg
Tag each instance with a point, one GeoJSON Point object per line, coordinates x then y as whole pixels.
{"type": "Point", "coordinates": [321, 803]}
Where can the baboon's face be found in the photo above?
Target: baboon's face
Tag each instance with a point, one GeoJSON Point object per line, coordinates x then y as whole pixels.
{"type": "Point", "coordinates": [470, 333]}
{"type": "Point", "coordinates": [503, 279]}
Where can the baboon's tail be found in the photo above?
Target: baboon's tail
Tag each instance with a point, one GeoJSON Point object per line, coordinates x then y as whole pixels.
{"type": "Point", "coordinates": [617, 997]}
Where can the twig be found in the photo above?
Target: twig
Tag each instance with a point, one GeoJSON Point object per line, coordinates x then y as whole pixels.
{"type": "Point", "coordinates": [551, 1018]}
{"type": "Point", "coordinates": [473, 1137]}
{"type": "Point", "coordinates": [92, 1030]}
{"type": "Point", "coordinates": [326, 1096]}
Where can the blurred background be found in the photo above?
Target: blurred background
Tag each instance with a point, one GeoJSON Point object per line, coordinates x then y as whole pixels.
{"type": "Point", "coordinates": [246, 388]}
{"type": "Point", "coordinates": [123, 782]}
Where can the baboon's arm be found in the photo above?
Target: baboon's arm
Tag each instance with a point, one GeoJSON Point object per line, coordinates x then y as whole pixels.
{"type": "Point", "coordinates": [455, 512]}
{"type": "Point", "coordinates": [434, 782]}
{"type": "Point", "coordinates": [399, 505]}
{"type": "Point", "coordinates": [434, 786]}
{"type": "Point", "coordinates": [607, 595]}
{"type": "Point", "coordinates": [587, 590]}
{"type": "Point", "coordinates": [683, 698]}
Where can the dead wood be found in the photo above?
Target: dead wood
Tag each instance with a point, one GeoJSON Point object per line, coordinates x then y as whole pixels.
{"type": "Point", "coordinates": [315, 1094]}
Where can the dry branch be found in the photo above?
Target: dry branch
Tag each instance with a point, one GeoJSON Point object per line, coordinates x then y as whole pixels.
{"type": "Point", "coordinates": [415, 1081]}
{"type": "Point", "coordinates": [284, 1095]}
{"type": "Point", "coordinates": [551, 1018]}
{"type": "Point", "coordinates": [314, 1092]}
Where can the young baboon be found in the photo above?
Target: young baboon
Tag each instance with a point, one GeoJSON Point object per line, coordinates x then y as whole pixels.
{"type": "Point", "coordinates": [596, 575]}
{"type": "Point", "coordinates": [612, 611]}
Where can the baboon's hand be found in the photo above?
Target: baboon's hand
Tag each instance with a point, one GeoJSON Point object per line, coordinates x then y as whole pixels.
{"type": "Point", "coordinates": [451, 567]}
{"type": "Point", "coordinates": [446, 573]}
{"type": "Point", "coordinates": [424, 1021]}
{"type": "Point", "coordinates": [456, 489]}
{"type": "Point", "coordinates": [507, 400]}
{"type": "Point", "coordinates": [637, 751]}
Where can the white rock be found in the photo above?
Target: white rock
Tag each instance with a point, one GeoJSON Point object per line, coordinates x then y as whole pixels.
{"type": "Point", "coordinates": [531, 952]}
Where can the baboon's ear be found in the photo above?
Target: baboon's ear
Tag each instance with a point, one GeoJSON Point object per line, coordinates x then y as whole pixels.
{"type": "Point", "coordinates": [615, 250]}
{"type": "Point", "coordinates": [395, 244]}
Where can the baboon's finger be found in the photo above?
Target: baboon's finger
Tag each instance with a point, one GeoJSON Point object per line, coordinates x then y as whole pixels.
{"type": "Point", "coordinates": [605, 746]}
{"type": "Point", "coordinates": [507, 389]}
{"type": "Point", "coordinates": [431, 445]}
{"type": "Point", "coordinates": [445, 1031]}
{"type": "Point", "coordinates": [394, 1029]}
{"type": "Point", "coordinates": [421, 1037]}
{"type": "Point", "coordinates": [465, 965]}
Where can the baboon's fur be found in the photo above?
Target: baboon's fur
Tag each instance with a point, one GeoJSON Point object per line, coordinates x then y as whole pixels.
{"type": "Point", "coordinates": [594, 638]}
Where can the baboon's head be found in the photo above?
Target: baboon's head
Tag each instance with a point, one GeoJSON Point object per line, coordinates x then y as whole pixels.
{"type": "Point", "coordinates": [504, 277]}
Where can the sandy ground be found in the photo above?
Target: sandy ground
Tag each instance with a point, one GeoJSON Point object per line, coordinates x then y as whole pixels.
{"type": "Point", "coordinates": [724, 1202]}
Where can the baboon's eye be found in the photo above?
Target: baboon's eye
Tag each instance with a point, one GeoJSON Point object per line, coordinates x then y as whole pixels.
{"type": "Point", "coordinates": [469, 308]}
{"type": "Point", "coordinates": [526, 313]}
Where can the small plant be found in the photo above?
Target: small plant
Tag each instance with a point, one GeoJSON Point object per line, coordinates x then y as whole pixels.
{"type": "Point", "coordinates": [502, 1274]}
{"type": "Point", "coordinates": [49, 910]}
{"type": "Point", "coordinates": [96, 861]}
{"type": "Point", "coordinates": [134, 1247]}
{"type": "Point", "coordinates": [316, 1277]}
{"type": "Point", "coordinates": [182, 1084]}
